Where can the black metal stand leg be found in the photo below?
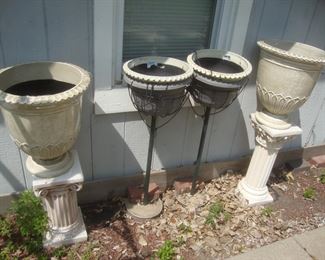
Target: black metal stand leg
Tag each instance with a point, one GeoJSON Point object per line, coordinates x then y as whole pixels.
{"type": "Point", "coordinates": [199, 155]}
{"type": "Point", "coordinates": [149, 160]}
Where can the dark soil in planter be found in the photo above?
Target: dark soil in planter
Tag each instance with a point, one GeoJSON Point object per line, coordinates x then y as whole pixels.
{"type": "Point", "coordinates": [39, 87]}
{"type": "Point", "coordinates": [159, 69]}
{"type": "Point", "coordinates": [219, 65]}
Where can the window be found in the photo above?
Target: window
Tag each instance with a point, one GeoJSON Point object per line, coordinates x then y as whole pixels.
{"type": "Point", "coordinates": [158, 27]}
{"type": "Point", "coordinates": [166, 27]}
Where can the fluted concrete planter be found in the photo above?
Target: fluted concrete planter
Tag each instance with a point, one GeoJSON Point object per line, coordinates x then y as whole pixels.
{"type": "Point", "coordinates": [45, 126]}
{"type": "Point", "coordinates": [287, 73]}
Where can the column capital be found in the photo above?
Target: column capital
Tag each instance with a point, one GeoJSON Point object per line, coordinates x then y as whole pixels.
{"type": "Point", "coordinates": [271, 138]}
{"type": "Point", "coordinates": [44, 191]}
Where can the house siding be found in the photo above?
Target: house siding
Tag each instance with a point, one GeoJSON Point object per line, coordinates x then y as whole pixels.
{"type": "Point", "coordinates": [115, 145]}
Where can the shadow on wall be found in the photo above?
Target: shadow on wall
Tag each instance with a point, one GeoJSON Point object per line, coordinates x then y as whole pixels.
{"type": "Point", "coordinates": [120, 141]}
{"type": "Point", "coordinates": [9, 175]}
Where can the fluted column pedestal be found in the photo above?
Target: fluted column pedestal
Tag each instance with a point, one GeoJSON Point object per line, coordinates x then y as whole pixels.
{"type": "Point", "coordinates": [252, 188]}
{"type": "Point", "coordinates": [59, 196]}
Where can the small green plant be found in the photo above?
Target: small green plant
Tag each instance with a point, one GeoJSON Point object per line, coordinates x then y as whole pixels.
{"type": "Point", "coordinates": [322, 177]}
{"type": "Point", "coordinates": [267, 211]}
{"type": "Point", "coordinates": [30, 219]}
{"type": "Point", "coordinates": [166, 251]}
{"type": "Point", "coordinates": [60, 252]}
{"type": "Point", "coordinates": [217, 211]}
{"type": "Point", "coordinates": [7, 250]}
{"type": "Point", "coordinates": [184, 228]}
{"type": "Point", "coordinates": [5, 227]}
{"type": "Point", "coordinates": [309, 193]}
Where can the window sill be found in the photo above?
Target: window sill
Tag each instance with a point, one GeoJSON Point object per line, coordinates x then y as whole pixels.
{"type": "Point", "coordinates": [113, 101]}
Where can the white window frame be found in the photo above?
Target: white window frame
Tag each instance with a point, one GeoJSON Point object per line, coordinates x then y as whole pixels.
{"type": "Point", "coordinates": [228, 32]}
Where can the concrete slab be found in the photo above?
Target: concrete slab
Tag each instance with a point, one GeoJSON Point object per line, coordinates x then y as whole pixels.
{"type": "Point", "coordinates": [313, 242]}
{"type": "Point", "coordinates": [287, 249]}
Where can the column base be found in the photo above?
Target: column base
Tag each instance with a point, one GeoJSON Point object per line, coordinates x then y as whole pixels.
{"type": "Point", "coordinates": [75, 234]}
{"type": "Point", "coordinates": [253, 196]}
{"type": "Point", "coordinates": [142, 212]}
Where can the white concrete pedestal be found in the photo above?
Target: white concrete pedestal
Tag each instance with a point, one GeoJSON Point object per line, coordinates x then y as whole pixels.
{"type": "Point", "coordinates": [252, 188]}
{"type": "Point", "coordinates": [59, 196]}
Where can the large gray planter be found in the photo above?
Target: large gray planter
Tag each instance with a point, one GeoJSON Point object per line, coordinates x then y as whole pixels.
{"type": "Point", "coordinates": [44, 126]}
{"type": "Point", "coordinates": [287, 73]}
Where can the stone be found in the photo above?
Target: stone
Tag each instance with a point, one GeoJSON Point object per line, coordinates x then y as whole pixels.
{"type": "Point", "coordinates": [318, 161]}
{"type": "Point", "coordinates": [142, 241]}
{"type": "Point", "coordinates": [136, 194]}
{"type": "Point", "coordinates": [183, 185]}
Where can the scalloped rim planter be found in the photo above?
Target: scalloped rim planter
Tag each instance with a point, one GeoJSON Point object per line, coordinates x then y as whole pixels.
{"type": "Point", "coordinates": [286, 75]}
{"type": "Point", "coordinates": [210, 87]}
{"type": "Point", "coordinates": [158, 80]}
{"type": "Point", "coordinates": [45, 127]}
{"type": "Point", "coordinates": [157, 95]}
{"type": "Point", "coordinates": [224, 55]}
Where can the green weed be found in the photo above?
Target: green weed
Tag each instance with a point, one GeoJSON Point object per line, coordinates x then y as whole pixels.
{"type": "Point", "coordinates": [216, 211]}
{"type": "Point", "coordinates": [267, 211]}
{"type": "Point", "coordinates": [309, 193]}
{"type": "Point", "coordinates": [322, 177]}
{"type": "Point", "coordinates": [166, 251]}
{"type": "Point", "coordinates": [184, 228]}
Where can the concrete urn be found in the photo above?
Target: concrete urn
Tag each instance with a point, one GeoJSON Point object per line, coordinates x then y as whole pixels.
{"type": "Point", "coordinates": [287, 73]}
{"type": "Point", "coordinates": [41, 105]}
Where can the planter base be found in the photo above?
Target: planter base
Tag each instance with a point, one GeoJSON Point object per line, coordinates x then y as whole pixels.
{"type": "Point", "coordinates": [51, 169]}
{"type": "Point", "coordinates": [75, 234]}
{"type": "Point", "coordinates": [59, 197]}
{"type": "Point", "coordinates": [273, 121]}
{"type": "Point", "coordinates": [141, 212]}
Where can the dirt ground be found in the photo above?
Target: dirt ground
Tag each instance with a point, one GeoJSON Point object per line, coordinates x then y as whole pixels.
{"type": "Point", "coordinates": [212, 224]}
{"type": "Point", "coordinates": [114, 235]}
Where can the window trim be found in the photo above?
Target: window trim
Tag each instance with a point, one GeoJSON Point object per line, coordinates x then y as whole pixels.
{"type": "Point", "coordinates": [229, 30]}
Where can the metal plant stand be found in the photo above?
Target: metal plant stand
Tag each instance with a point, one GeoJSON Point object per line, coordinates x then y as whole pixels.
{"type": "Point", "coordinates": [157, 88]}
{"type": "Point", "coordinates": [219, 77]}
{"type": "Point", "coordinates": [149, 161]}
{"type": "Point", "coordinates": [201, 146]}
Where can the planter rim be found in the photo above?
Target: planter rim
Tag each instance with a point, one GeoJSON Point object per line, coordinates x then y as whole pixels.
{"type": "Point", "coordinates": [277, 47]}
{"type": "Point", "coordinates": [127, 69]}
{"type": "Point", "coordinates": [220, 54]}
{"type": "Point", "coordinates": [75, 91]}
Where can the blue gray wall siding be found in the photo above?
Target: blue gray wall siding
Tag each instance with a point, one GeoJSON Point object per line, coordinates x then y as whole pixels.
{"type": "Point", "coordinates": [230, 134]}
{"type": "Point", "coordinates": [116, 144]}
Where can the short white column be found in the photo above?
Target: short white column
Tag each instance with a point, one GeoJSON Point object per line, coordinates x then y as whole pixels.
{"type": "Point", "coordinates": [252, 188]}
{"type": "Point", "coordinates": [59, 196]}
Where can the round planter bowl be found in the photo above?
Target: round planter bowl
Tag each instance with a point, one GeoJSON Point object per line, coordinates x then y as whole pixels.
{"type": "Point", "coordinates": [287, 73]}
{"type": "Point", "coordinates": [44, 126]}
{"type": "Point", "coordinates": [157, 84]}
{"type": "Point", "coordinates": [218, 76]}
